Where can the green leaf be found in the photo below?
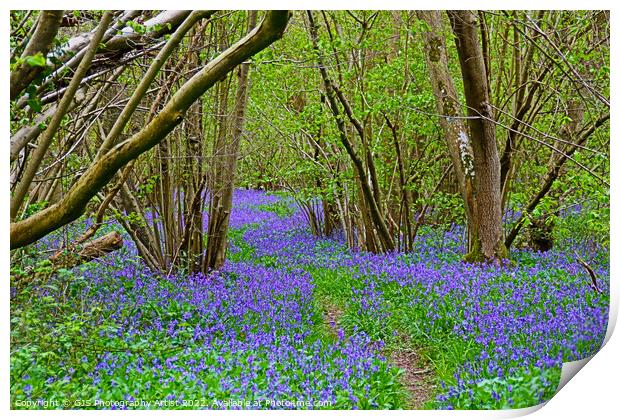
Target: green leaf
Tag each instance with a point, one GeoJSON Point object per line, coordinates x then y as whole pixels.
{"type": "Point", "coordinates": [36, 60]}
{"type": "Point", "coordinates": [34, 104]}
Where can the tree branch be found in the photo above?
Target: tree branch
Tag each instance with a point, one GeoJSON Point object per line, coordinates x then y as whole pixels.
{"type": "Point", "coordinates": [40, 43]}
{"type": "Point", "coordinates": [99, 174]}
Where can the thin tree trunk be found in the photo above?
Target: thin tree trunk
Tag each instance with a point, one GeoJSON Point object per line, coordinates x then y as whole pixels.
{"type": "Point", "coordinates": [550, 177]}
{"type": "Point", "coordinates": [21, 189]}
{"type": "Point", "coordinates": [219, 215]}
{"type": "Point", "coordinates": [332, 94]}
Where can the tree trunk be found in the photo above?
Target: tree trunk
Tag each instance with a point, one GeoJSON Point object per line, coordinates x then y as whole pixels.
{"type": "Point", "coordinates": [40, 44]}
{"type": "Point", "coordinates": [222, 194]}
{"type": "Point", "coordinates": [552, 174]}
{"type": "Point", "coordinates": [23, 185]}
{"type": "Point", "coordinates": [446, 99]}
{"type": "Point", "coordinates": [487, 241]}
{"type": "Point", "coordinates": [333, 94]}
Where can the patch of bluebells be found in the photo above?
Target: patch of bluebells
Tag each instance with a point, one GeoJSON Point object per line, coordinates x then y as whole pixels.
{"type": "Point", "coordinates": [368, 309]}
{"type": "Point", "coordinates": [243, 333]}
{"type": "Point", "coordinates": [247, 331]}
{"type": "Point", "coordinates": [523, 319]}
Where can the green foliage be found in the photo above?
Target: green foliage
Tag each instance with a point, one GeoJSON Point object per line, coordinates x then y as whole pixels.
{"type": "Point", "coordinates": [36, 60]}
{"type": "Point", "coordinates": [137, 27]}
{"type": "Point", "coordinates": [148, 186]}
{"type": "Point", "coordinates": [281, 207]}
{"type": "Point", "coordinates": [526, 389]}
{"type": "Point", "coordinates": [49, 337]}
{"type": "Point", "coordinates": [34, 208]}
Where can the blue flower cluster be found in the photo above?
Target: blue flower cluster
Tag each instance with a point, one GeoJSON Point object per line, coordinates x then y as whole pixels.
{"type": "Point", "coordinates": [253, 331]}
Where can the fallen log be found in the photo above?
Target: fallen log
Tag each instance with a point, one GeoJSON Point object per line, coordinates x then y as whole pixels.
{"type": "Point", "coordinates": [70, 257]}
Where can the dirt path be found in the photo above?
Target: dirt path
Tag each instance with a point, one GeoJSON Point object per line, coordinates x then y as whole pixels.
{"type": "Point", "coordinates": [332, 315]}
{"type": "Point", "coordinates": [418, 377]}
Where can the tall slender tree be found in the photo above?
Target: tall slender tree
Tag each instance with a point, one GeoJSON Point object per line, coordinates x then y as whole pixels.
{"type": "Point", "coordinates": [224, 168]}
{"type": "Point", "coordinates": [487, 240]}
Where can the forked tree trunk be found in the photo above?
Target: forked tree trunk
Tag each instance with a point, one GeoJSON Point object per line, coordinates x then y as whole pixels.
{"type": "Point", "coordinates": [226, 166]}
{"type": "Point", "coordinates": [375, 222]}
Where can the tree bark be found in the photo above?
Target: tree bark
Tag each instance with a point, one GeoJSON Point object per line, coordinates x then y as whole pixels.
{"type": "Point", "coordinates": [67, 258]}
{"type": "Point", "coordinates": [28, 133]}
{"type": "Point", "coordinates": [40, 43]}
{"type": "Point", "coordinates": [334, 94]}
{"type": "Point", "coordinates": [222, 195]}
{"type": "Point", "coordinates": [447, 105]}
{"type": "Point", "coordinates": [148, 78]}
{"type": "Point", "coordinates": [114, 45]}
{"type": "Point", "coordinates": [550, 177]}
{"type": "Point", "coordinates": [487, 241]}
{"type": "Point", "coordinates": [32, 166]}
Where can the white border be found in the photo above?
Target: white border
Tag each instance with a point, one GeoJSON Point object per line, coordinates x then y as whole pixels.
{"type": "Point", "coordinates": [592, 394]}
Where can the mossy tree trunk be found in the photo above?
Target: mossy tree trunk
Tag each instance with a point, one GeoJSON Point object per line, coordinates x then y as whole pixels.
{"type": "Point", "coordinates": [486, 239]}
{"type": "Point", "coordinates": [450, 118]}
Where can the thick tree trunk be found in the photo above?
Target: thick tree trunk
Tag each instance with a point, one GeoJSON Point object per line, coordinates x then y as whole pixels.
{"type": "Point", "coordinates": [487, 241]}
{"type": "Point", "coordinates": [448, 108]}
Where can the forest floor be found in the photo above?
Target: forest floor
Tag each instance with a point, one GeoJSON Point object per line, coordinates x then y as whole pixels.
{"type": "Point", "coordinates": [294, 321]}
{"type": "Point", "coordinates": [417, 377]}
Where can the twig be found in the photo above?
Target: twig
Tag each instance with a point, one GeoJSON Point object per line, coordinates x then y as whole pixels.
{"type": "Point", "coordinates": [590, 271]}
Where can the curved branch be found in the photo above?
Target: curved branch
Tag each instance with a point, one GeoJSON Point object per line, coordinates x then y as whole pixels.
{"type": "Point", "coordinates": [148, 78]}
{"type": "Point", "coordinates": [101, 172]}
{"type": "Point", "coordinates": [40, 43]}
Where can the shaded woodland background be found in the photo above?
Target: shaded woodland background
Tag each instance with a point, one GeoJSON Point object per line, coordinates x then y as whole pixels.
{"type": "Point", "coordinates": [392, 119]}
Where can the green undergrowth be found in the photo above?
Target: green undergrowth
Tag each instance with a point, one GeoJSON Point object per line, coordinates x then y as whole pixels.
{"type": "Point", "coordinates": [280, 207]}
{"type": "Point", "coordinates": [242, 251]}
